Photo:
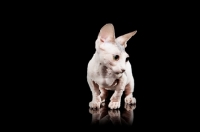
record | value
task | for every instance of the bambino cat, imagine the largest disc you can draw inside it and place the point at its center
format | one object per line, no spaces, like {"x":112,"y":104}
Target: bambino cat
{"x":110,"y":69}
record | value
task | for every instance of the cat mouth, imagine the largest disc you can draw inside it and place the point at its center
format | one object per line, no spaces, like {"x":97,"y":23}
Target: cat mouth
{"x":115,"y":83}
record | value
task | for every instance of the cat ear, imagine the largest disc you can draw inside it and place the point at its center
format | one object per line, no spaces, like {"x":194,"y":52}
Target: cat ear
{"x":107,"y":33}
{"x":124,"y":38}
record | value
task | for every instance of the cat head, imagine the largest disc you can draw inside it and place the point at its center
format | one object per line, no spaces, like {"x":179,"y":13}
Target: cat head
{"x":111,"y":50}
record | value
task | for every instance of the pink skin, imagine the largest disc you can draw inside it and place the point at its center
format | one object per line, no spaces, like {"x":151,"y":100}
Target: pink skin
{"x":106,"y":71}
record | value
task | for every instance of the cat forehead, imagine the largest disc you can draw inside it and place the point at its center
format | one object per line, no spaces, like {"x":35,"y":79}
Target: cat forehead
{"x":120,"y":47}
{"x":115,"y":48}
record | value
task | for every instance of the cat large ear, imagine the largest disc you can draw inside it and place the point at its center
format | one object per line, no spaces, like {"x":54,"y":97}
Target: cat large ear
{"x":124,"y":38}
{"x":107,"y":33}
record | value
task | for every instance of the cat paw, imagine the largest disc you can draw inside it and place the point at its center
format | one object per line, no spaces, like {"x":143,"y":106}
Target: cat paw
{"x":95,"y":104}
{"x":130,"y":100}
{"x":114,"y":105}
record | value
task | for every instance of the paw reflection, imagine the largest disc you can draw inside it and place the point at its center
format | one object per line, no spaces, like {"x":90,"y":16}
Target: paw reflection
{"x":129,"y":107}
{"x":106,"y":116}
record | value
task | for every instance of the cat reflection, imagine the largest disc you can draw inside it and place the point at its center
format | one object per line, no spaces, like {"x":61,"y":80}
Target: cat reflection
{"x":106,"y":116}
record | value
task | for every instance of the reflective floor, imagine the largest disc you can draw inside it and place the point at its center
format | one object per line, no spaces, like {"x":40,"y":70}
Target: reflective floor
{"x":105,"y":116}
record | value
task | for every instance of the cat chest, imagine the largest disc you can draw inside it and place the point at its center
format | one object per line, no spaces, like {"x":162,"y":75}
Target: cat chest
{"x":107,"y":83}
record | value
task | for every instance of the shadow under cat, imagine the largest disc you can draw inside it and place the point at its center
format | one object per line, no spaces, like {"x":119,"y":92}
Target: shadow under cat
{"x":106,"y":116}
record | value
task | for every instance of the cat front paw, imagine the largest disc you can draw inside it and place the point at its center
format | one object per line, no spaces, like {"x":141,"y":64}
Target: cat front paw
{"x":130,"y":99}
{"x":114,"y":105}
{"x":94,"y":104}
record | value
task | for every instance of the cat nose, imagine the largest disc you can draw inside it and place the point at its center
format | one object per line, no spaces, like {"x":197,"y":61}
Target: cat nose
{"x":123,"y":70}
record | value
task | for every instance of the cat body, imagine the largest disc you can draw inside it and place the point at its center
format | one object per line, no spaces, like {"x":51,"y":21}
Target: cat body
{"x":109,"y":69}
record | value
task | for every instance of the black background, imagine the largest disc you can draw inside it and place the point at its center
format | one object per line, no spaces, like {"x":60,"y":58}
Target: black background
{"x":61,"y":43}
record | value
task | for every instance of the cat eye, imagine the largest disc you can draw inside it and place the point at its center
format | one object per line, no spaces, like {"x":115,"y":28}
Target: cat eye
{"x":127,"y":59}
{"x":116,"y":57}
